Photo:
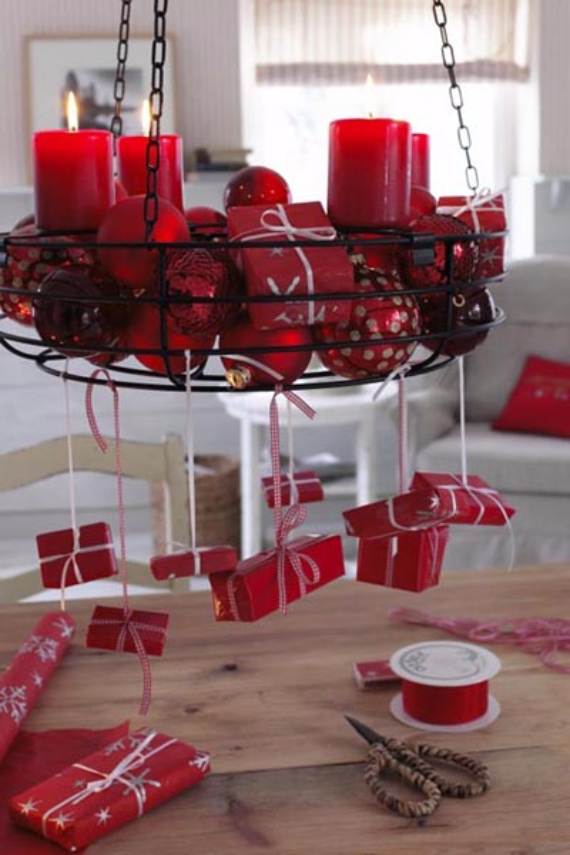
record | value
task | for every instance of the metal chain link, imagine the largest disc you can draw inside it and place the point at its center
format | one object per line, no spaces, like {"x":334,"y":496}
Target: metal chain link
{"x":122,"y":55}
{"x":455,"y":94}
{"x":156,"y":109}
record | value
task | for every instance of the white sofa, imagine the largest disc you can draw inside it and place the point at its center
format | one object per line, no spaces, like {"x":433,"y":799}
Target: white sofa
{"x":533,"y":472}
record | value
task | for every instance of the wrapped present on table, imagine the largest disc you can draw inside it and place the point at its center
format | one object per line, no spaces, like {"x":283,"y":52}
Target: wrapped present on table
{"x":473,"y":503}
{"x":108,"y":789}
{"x":368,"y":675}
{"x":413,"y":511}
{"x":194,"y":562}
{"x":117,"y":629}
{"x":410,"y":561}
{"x":65,"y":562}
{"x":257,"y":588}
{"x":295,"y":272}
{"x":305,"y":487}
{"x":483,"y":213}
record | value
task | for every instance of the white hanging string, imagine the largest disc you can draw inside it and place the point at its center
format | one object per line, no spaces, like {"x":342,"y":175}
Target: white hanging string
{"x":191,"y":468}
{"x":70,"y":480}
{"x":402,"y":435}
{"x":293,"y":488}
{"x":462,"y":428}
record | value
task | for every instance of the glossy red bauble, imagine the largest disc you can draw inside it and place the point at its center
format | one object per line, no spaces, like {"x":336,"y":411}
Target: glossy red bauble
{"x":256,"y":185}
{"x":242,"y":374}
{"x":206,"y":221}
{"x":205,"y":274}
{"x":124,"y":223}
{"x":422,"y":203}
{"x":465,"y":253}
{"x":145,"y":333}
{"x":471,"y":307}
{"x":120,"y":191}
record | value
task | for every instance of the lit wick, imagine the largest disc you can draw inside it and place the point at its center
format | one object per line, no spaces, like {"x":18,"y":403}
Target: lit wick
{"x":370,"y":96}
{"x":72,"y":111}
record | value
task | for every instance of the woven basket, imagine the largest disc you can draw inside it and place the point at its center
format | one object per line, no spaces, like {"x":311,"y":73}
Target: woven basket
{"x":218,"y":501}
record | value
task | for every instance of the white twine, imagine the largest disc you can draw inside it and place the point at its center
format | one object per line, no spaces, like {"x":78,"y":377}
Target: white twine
{"x":71,"y":493}
{"x":191,"y":467}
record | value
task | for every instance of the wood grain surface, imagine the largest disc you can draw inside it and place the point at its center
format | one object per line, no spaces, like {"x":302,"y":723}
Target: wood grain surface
{"x":267,"y":701}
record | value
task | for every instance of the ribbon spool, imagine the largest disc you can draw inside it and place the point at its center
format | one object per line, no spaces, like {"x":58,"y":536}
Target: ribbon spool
{"x":445,"y":686}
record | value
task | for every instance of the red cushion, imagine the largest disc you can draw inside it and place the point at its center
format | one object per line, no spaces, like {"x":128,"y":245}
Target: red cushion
{"x":540,"y":402}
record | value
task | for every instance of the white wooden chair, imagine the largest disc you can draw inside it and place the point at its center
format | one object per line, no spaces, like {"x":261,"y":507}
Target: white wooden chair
{"x":162,"y":465}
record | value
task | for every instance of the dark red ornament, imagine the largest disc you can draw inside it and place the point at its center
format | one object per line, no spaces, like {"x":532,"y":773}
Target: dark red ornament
{"x":206,"y":222}
{"x":145,"y":334}
{"x":422,"y":203}
{"x":242,"y":374}
{"x":374,"y":327}
{"x":124,"y":223}
{"x":256,"y":185}
{"x":202,"y":273}
{"x":465,"y":253}
{"x":471,"y":308}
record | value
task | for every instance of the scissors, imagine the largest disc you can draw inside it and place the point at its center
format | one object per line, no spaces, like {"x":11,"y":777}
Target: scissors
{"x":410,"y":764}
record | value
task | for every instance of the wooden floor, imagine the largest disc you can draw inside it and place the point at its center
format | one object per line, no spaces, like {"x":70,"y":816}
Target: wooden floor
{"x":267,"y":700}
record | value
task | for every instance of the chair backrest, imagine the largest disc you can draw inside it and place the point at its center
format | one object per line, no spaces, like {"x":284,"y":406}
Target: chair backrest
{"x":536,"y":298}
{"x":162,"y":465}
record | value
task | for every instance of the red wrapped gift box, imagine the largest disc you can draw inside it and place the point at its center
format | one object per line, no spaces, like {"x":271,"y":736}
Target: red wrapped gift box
{"x":410,"y":561}
{"x":298,"y":271}
{"x":367,"y":675}
{"x":418,"y":509}
{"x":478,"y":505}
{"x":103,"y":792}
{"x":95,"y":558}
{"x":205,"y":559}
{"x":254,"y":587}
{"x":482,"y":214}
{"x":307,"y":488}
{"x":109,"y":630}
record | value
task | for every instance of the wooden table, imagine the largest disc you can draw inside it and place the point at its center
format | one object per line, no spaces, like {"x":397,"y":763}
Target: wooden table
{"x":267,"y":700}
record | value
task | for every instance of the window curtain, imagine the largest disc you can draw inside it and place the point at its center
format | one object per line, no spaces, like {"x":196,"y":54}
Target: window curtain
{"x":312,"y":42}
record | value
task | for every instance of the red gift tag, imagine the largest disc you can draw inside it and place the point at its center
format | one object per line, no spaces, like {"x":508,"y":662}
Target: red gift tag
{"x":374,"y":673}
{"x":416,"y":510}
{"x":481,"y":214}
{"x":115,"y":629}
{"x":203,"y":560}
{"x":306,"y":486}
{"x":408,"y":561}
{"x":473,"y":504}
{"x":94,"y":557}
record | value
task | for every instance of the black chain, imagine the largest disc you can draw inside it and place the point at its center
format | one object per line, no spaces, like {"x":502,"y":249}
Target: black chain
{"x":156,"y":108}
{"x":122,"y":55}
{"x":455,"y":94}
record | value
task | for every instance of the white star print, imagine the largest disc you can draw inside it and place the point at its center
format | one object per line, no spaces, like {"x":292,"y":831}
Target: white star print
{"x":28,"y":807}
{"x":61,"y":820}
{"x":38,"y":679}
{"x":79,"y":784}
{"x":277,"y":250}
{"x":103,"y":816}
{"x":66,"y":629}
{"x":201,"y":762}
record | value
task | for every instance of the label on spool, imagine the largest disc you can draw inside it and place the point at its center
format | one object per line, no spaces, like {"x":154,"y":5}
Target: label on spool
{"x":445,"y":663}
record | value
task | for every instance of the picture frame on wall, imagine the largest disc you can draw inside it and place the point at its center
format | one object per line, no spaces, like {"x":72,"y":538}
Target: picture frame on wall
{"x":87,"y":67}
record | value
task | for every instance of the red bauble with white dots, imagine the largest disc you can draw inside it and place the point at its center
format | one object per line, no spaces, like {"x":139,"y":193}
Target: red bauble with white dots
{"x":465,"y":253}
{"x":241,"y":373}
{"x":206,"y":274}
{"x":256,"y":185}
{"x":373,"y":331}
{"x":145,"y":333}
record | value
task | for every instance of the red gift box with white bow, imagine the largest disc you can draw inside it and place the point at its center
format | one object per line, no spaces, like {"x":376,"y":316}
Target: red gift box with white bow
{"x":483,"y":213}
{"x":292,"y":272}
{"x":115,"y":629}
{"x":106,"y":790}
{"x":416,"y":510}
{"x":254,"y":590}
{"x":410,"y":561}
{"x":194,"y":562}
{"x":94,"y":557}
{"x":306,"y":488}
{"x":471,"y":503}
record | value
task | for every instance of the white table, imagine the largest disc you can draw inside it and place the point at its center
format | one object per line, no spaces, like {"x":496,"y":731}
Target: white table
{"x":347,"y":408}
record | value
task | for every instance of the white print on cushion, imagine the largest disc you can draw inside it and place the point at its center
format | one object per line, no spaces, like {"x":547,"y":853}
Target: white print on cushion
{"x":13,"y":702}
{"x":45,"y":648}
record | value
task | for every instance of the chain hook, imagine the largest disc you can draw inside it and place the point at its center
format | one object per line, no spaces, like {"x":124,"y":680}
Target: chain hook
{"x":122,"y":56}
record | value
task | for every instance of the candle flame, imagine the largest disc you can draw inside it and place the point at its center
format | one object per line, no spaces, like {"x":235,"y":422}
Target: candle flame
{"x":370,"y":111}
{"x":146,"y":117}
{"x":72,"y":111}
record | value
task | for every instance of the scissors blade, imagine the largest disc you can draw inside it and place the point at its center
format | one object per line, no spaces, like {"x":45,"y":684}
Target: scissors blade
{"x":364,"y":731}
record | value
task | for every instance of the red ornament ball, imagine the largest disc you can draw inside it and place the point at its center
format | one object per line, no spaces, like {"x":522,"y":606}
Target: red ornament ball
{"x":471,"y":308}
{"x":382,"y":256}
{"x":120,"y":191}
{"x":206,"y":274}
{"x":206,"y":222}
{"x":373,"y":330}
{"x":124,"y":223}
{"x":256,"y":185}
{"x":465,"y":253}
{"x":144,"y":333}
{"x":422,"y":203}
{"x":88,"y":324}
{"x":16,"y":307}
{"x":241,"y":374}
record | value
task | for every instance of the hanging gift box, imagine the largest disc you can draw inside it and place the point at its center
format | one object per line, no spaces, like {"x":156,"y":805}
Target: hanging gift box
{"x":127,"y":631}
{"x":484,"y":213}
{"x":295,"y":272}
{"x":256,"y":590}
{"x":410,"y":561}
{"x":302,"y":488}
{"x":108,"y":789}
{"x":419,"y":509}
{"x":470,"y":503}
{"x":64,"y":562}
{"x":194,"y":562}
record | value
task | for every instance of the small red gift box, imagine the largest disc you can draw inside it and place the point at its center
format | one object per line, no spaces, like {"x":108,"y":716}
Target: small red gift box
{"x":474,"y":504}
{"x":112,"y":629}
{"x":419,"y":509}
{"x":94,"y":559}
{"x":307,"y":488}
{"x":252,"y":592}
{"x":205,"y":559}
{"x":367,"y":675}
{"x":482,"y":214}
{"x":108,"y":789}
{"x":409,"y":561}
{"x":299,"y":271}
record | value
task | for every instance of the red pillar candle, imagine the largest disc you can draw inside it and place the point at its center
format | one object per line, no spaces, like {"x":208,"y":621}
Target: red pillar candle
{"x":421,"y":161}
{"x":132,"y":167}
{"x":370,"y":172}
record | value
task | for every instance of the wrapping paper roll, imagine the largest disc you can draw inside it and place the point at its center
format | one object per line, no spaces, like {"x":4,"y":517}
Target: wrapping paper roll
{"x":24,"y":680}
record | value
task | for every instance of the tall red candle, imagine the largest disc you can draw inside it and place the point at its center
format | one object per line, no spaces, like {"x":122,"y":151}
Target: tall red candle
{"x":421,"y":161}
{"x":73,"y":179}
{"x":132,"y":167}
{"x":370,"y":169}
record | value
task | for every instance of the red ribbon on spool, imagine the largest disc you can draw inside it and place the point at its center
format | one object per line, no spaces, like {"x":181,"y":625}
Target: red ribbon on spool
{"x":447,"y":704}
